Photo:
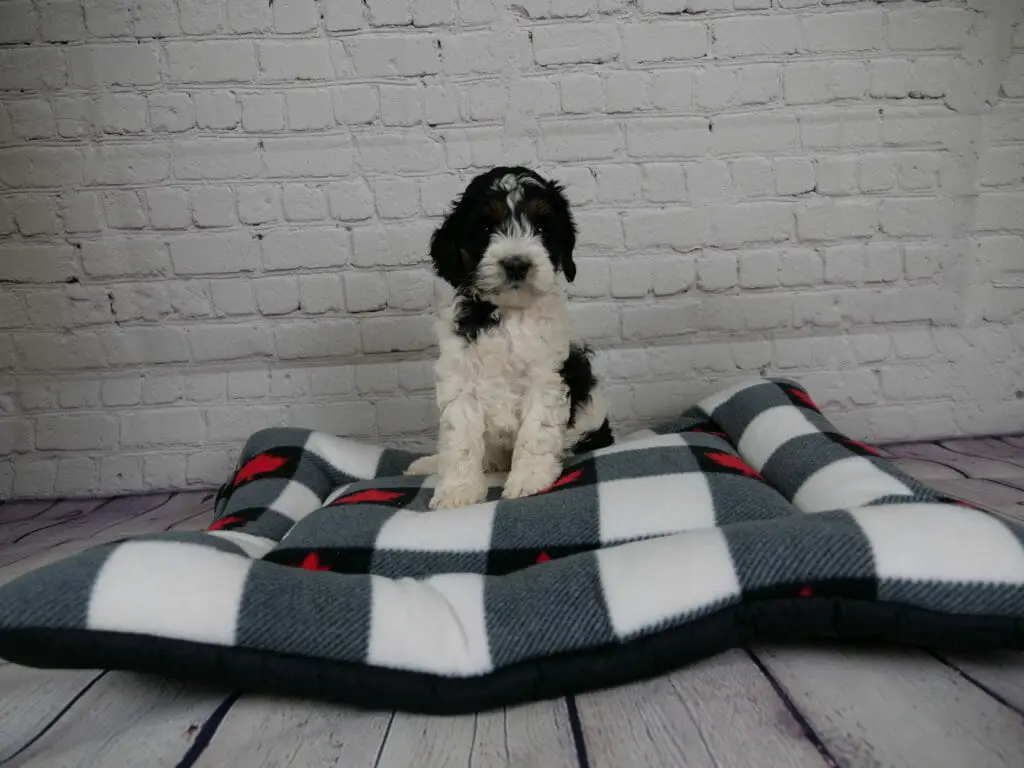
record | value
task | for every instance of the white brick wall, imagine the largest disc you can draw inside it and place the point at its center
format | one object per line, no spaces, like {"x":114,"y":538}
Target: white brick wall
{"x":214,"y":216}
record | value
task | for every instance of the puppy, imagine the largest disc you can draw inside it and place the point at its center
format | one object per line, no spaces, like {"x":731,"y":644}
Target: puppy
{"x":516,"y":392}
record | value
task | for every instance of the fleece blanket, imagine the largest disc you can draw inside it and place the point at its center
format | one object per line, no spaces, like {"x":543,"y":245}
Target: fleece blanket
{"x":748,"y":518}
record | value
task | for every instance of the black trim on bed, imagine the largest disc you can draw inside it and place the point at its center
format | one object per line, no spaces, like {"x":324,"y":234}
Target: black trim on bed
{"x":255,"y":671}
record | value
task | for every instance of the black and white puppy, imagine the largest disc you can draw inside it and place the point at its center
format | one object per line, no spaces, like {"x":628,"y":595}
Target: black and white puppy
{"x":515,"y":390}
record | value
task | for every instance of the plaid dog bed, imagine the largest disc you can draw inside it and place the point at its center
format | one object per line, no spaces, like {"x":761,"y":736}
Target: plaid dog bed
{"x":749,"y":518}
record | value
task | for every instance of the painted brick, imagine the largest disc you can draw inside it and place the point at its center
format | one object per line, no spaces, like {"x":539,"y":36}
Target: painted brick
{"x":232,"y":297}
{"x":387,"y":55}
{"x":396,"y":334}
{"x":36,"y":215}
{"x":248,"y":15}
{"x":583,"y":43}
{"x":399,"y":153}
{"x":663,"y":182}
{"x":309,"y":109}
{"x":216,"y":109}
{"x":142,"y":346}
{"x":664,"y":41}
{"x":61,"y":21}
{"x":123,"y":474}
{"x":264,"y":111}
{"x":193,"y":195}
{"x":32,"y":119}
{"x":24,"y":263}
{"x":295,"y":16}
{"x":756,"y":36}
{"x":350,"y":418}
{"x":125,"y":257}
{"x":124,"y":210}
{"x":675,"y":137}
{"x":295,"y":60}
{"x":214,"y":253}
{"x":122,"y":391}
{"x":72,"y":431}
{"x":277,"y":295}
{"x":304,"y":202}
{"x":715,"y":88}
{"x":161,"y":427}
{"x":289,"y":249}
{"x":823,"y":220}
{"x":40,"y":167}
{"x":77,"y":474}
{"x":122,"y":113}
{"x":320,"y":339}
{"x":474,"y":53}
{"x":627,"y":91}
{"x":355,"y":104}
{"x":308,"y":156}
{"x":844,"y":31}
{"x":115,"y":64}
{"x":32,"y":68}
{"x":216,"y":159}
{"x":161,"y":19}
{"x":223,"y":61}
{"x":912,"y":29}
{"x":16,"y":436}
{"x":229,"y":342}
{"x":169,"y":208}
{"x":172,"y":112}
{"x":259,"y":204}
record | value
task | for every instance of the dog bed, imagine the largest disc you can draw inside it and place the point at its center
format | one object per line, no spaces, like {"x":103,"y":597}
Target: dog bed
{"x":748,"y":519}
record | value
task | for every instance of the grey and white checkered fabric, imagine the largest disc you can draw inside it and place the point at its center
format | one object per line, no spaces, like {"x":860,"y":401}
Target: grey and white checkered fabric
{"x":323,"y":549}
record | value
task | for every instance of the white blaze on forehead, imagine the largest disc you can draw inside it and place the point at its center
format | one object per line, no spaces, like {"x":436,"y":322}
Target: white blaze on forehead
{"x":509,"y":183}
{"x":513,"y":185}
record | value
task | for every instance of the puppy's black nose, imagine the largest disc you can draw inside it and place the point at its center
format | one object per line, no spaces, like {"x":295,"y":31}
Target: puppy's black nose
{"x":516,"y":267}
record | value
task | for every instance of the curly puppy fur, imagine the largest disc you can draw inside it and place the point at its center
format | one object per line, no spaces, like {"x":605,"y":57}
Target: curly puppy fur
{"x":516,"y":392}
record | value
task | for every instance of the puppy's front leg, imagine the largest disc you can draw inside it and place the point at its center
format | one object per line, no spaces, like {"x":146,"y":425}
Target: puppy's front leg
{"x":460,"y":455}
{"x":537,"y":457}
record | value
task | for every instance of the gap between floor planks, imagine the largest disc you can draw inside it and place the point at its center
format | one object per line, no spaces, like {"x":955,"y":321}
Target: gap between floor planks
{"x":803,"y":707}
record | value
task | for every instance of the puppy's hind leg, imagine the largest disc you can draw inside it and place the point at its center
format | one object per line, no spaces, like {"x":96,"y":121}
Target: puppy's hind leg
{"x":425,"y":465}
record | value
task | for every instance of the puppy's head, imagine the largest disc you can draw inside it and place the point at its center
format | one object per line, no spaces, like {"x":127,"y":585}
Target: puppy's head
{"x":506,"y":238}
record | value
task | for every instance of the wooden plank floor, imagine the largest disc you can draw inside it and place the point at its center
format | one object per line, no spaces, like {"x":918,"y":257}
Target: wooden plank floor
{"x":751,"y":708}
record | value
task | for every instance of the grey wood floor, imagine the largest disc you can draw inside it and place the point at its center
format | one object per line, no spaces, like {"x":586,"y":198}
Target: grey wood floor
{"x":775,"y":707}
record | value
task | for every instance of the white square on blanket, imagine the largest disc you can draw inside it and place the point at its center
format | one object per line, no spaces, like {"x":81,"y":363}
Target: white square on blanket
{"x":463,"y":529}
{"x":254,"y":546}
{"x":845,"y":484}
{"x":295,"y":501}
{"x":647,"y":583}
{"x":770,"y":430}
{"x":170,"y":589}
{"x":359,"y":460}
{"x":436,"y":625}
{"x":941,"y":542}
{"x":633,"y":508}
{"x":638,"y":442}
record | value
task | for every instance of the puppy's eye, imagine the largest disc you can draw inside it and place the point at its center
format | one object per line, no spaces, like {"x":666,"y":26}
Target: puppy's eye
{"x":539,"y":230}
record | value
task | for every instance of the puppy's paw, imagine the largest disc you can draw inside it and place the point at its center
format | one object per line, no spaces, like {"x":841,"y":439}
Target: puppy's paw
{"x":531,"y":478}
{"x":425,"y":465}
{"x":459,"y":493}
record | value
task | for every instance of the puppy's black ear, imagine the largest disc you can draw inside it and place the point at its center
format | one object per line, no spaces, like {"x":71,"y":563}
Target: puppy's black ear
{"x":569,"y":267}
{"x":445,"y":248}
{"x":567,"y":239}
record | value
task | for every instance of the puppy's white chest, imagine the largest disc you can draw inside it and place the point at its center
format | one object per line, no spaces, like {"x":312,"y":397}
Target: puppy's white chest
{"x":501,"y":380}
